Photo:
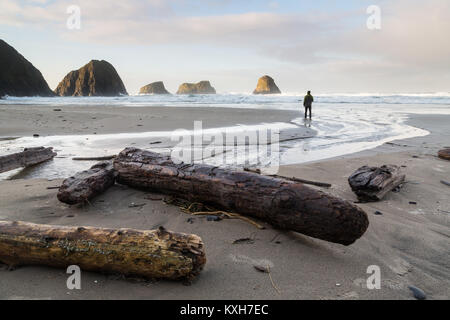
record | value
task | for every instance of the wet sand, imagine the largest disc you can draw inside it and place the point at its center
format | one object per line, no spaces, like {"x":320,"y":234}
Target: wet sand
{"x":26,"y":120}
{"x":409,"y":242}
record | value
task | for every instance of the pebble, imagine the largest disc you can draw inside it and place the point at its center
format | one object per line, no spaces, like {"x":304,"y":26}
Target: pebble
{"x":262,"y":269}
{"x":135,"y":205}
{"x":412,"y":202}
{"x":378,"y":213}
{"x":213,"y":218}
{"x":418,"y":294}
{"x":244,"y":240}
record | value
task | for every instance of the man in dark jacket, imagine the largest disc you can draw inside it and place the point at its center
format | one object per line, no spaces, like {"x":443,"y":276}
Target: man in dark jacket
{"x":307,"y":103}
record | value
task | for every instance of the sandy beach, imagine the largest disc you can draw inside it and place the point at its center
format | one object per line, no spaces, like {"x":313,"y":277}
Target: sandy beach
{"x":207,"y":151}
{"x":26,"y":120}
{"x":409,"y":242}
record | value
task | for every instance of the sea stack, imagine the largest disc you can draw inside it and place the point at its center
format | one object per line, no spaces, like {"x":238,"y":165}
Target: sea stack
{"x":97,"y":78}
{"x":266,"y":85}
{"x":154,"y":88}
{"x":18,"y":77}
{"x":203,"y":87}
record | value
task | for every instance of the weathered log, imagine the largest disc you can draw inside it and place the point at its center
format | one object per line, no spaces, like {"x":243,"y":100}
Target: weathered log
{"x":371,"y":184}
{"x":444,"y":154}
{"x":282,"y":203}
{"x":85,"y":185}
{"x":29,"y":157}
{"x":148,"y":254}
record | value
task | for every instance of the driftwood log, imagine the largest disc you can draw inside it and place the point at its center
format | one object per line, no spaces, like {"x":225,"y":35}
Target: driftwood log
{"x":282,"y":203}
{"x":444,"y":154}
{"x":148,"y":254}
{"x":29,"y":157}
{"x":85,"y":185}
{"x":371,"y":184}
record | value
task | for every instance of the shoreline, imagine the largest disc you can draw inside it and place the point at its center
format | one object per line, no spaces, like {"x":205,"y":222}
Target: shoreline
{"x":408,"y":241}
{"x":81,"y":142}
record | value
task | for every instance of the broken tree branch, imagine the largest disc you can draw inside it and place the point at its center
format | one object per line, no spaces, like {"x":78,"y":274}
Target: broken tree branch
{"x":104,"y":158}
{"x":304,"y":181}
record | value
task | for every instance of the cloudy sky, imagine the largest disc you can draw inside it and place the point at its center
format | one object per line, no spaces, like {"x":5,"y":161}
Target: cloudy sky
{"x":322,"y":45}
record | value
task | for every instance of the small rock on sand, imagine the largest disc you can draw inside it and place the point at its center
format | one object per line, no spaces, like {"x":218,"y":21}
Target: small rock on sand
{"x":418,"y":294}
{"x":213,"y":218}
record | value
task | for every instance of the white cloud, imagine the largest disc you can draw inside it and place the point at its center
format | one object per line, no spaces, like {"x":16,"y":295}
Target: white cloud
{"x":413,"y":39}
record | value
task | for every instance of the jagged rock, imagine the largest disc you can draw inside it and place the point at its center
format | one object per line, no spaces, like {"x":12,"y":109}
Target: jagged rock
{"x":18,"y":77}
{"x":97,"y":78}
{"x":154,"y":88}
{"x":203,"y":87}
{"x":266,"y":85}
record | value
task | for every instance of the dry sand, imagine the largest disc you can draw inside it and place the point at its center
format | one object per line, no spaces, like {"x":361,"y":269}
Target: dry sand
{"x":410,"y":243}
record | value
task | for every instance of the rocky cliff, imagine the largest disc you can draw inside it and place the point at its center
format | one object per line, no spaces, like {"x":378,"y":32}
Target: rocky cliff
{"x":266,"y":85}
{"x":97,"y":78}
{"x":18,"y":77}
{"x":154,"y":88}
{"x":203,"y":87}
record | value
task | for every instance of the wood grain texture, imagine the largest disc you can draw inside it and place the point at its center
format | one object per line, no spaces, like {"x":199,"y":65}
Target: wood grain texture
{"x":282,"y":203}
{"x":29,"y":157}
{"x":85,"y":185}
{"x":373,"y":183}
{"x":149,"y":254}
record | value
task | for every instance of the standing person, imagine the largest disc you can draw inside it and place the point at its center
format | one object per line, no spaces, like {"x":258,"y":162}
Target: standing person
{"x":307,"y":103}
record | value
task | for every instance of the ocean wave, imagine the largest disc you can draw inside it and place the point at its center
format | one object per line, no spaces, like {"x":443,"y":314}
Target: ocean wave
{"x":287,"y":101}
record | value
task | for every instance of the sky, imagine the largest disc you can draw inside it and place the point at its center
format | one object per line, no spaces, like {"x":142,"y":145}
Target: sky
{"x":323,"y":45}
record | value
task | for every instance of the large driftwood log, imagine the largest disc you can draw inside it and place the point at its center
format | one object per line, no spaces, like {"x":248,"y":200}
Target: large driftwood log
{"x":282,"y":203}
{"x":149,"y":254}
{"x":29,"y":157}
{"x":85,"y":185}
{"x":372,"y":183}
{"x":444,"y":154}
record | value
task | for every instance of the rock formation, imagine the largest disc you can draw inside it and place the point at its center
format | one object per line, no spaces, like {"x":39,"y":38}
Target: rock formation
{"x":18,"y":77}
{"x":203,"y":87}
{"x":97,"y":78}
{"x":266,"y":85}
{"x":154,"y":88}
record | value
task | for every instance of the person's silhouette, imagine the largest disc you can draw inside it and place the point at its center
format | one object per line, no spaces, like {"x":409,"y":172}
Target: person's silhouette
{"x":307,"y":103}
